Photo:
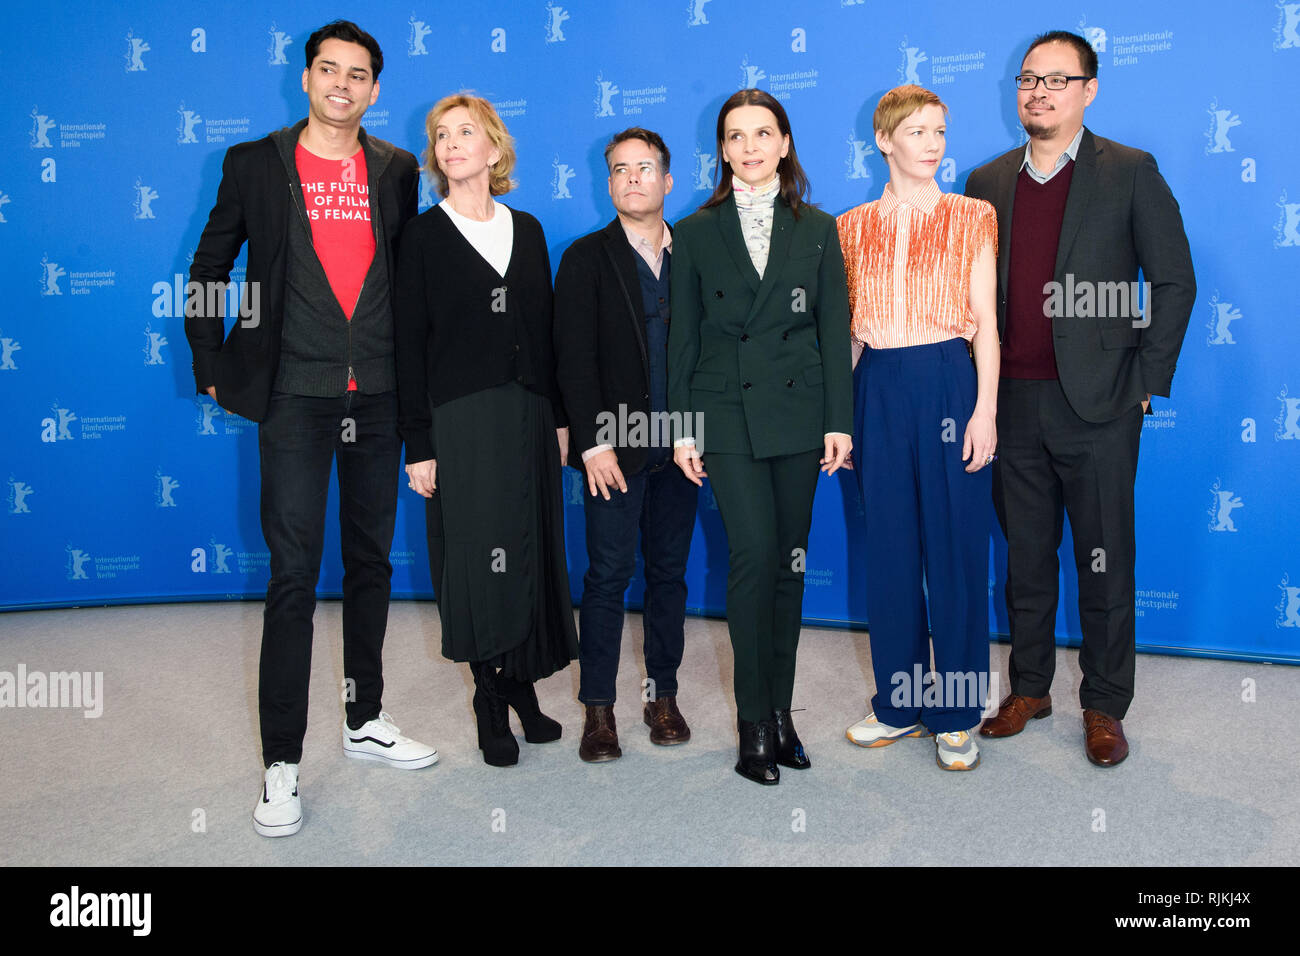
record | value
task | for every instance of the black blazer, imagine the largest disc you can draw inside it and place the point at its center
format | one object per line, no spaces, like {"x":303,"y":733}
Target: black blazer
{"x":765,"y":362}
{"x":600,"y":340}
{"x":1119,"y":217}
{"x":254,"y":202}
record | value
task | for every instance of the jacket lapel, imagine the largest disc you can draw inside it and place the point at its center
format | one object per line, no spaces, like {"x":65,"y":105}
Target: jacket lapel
{"x":1006,"y":201}
{"x":620,"y":253}
{"x":778,"y":251}
{"x":734,"y":240}
{"x":1083,"y":183}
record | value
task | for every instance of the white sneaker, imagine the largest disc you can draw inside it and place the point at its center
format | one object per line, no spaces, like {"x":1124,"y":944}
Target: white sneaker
{"x":279,"y":811}
{"x":379,"y":739}
{"x":869,"y":732}
{"x":956,"y":751}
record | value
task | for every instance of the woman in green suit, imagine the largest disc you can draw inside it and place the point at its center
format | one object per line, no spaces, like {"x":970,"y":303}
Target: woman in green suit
{"x":760,"y":371}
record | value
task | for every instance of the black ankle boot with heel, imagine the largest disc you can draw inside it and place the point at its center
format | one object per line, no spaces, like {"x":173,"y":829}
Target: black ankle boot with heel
{"x":500,"y":749}
{"x":522,"y":696}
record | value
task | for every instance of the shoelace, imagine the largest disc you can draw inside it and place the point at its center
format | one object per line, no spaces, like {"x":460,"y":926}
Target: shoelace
{"x":386,"y":721}
{"x":954,"y":739}
{"x":279,"y":782}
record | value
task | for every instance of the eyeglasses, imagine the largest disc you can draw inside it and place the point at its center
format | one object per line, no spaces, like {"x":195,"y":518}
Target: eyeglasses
{"x":1053,"y":81}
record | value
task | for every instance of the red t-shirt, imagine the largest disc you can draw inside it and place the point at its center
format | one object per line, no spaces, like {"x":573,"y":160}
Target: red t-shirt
{"x":337,"y":194}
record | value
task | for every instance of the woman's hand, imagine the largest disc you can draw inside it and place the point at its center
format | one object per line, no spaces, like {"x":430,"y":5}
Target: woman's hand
{"x":562,"y":436}
{"x":837,"y":450}
{"x":423,"y":477}
{"x":688,"y":460}
{"x":981,"y":440}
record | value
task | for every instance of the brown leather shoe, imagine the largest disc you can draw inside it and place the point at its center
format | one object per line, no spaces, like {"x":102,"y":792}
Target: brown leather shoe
{"x":666,"y":723}
{"x":1104,"y":738}
{"x":1014,"y":712}
{"x":599,"y":735}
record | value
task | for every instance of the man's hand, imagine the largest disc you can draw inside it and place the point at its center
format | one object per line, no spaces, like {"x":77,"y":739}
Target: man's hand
{"x":603,"y":474}
{"x":212,"y":390}
{"x":688,"y":460}
{"x":980,"y":441}
{"x":562,"y":436}
{"x":1145,"y":404}
{"x":423,"y":477}
{"x":836,"y":451}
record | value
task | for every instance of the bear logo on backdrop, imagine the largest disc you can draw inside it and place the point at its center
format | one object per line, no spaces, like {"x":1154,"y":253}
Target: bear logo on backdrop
{"x":1288,"y":419}
{"x":4,"y":201}
{"x":750,"y":75}
{"x":419,"y":30}
{"x":705,"y":164}
{"x":1221,"y":121}
{"x":189,"y":120}
{"x":560,"y":181}
{"x":913,"y":57}
{"x":51,"y":273}
{"x":136,"y":48}
{"x":695,"y":15}
{"x":1225,"y":503}
{"x":1286,"y":35}
{"x":18,"y":494}
{"x":76,"y":566}
{"x":859,"y":150}
{"x":555,"y":17}
{"x":605,"y":92}
{"x":41,"y":126}
{"x":1287,"y":231}
{"x":1288,"y":609}
{"x":144,"y":197}
{"x":8,"y":346}
{"x":1096,"y":36}
{"x":279,"y":40}
{"x":166,"y":485}
{"x":1222,"y":315}
{"x":154,"y":341}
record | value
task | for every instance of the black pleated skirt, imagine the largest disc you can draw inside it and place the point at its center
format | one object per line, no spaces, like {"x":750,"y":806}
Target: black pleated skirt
{"x":495,"y":530}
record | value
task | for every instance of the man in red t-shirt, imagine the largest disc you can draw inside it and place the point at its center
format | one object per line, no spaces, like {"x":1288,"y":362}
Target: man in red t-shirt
{"x":320,"y":205}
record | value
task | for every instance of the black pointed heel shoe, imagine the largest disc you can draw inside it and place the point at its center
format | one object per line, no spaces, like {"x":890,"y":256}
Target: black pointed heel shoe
{"x":789,"y":748}
{"x":758,"y":752}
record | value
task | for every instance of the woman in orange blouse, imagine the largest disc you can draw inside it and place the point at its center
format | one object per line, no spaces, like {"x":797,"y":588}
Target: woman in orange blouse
{"x":921,"y":278}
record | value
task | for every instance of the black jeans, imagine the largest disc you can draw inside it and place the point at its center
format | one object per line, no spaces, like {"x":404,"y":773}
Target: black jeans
{"x":662,"y":504}
{"x":298,"y":442}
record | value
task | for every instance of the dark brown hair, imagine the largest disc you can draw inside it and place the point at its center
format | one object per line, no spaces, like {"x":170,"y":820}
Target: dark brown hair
{"x":794,"y":181}
{"x":649,"y":137}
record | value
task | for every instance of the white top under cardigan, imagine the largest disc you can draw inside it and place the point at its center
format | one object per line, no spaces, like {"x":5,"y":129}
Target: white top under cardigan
{"x":492,"y":239}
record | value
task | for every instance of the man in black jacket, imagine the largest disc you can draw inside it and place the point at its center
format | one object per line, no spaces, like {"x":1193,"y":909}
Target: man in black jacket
{"x":1078,"y":216}
{"x":311,"y":359}
{"x":611,"y":341}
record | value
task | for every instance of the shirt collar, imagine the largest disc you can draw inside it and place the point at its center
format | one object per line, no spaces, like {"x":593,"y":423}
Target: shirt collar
{"x":640,"y":244}
{"x":1071,"y":153}
{"x":923,"y":200}
{"x":751,"y":197}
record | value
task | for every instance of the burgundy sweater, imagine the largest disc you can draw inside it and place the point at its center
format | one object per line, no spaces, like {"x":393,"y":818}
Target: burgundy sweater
{"x":1027,"y":350}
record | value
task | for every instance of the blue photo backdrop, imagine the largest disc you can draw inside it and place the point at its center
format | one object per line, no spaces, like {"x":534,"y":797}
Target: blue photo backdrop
{"x":123,"y":486}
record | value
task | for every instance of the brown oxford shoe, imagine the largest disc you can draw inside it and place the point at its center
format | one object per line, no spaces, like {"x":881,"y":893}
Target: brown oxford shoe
{"x":1014,"y":712}
{"x":599,"y":735}
{"x":1104,"y":738}
{"x":666,"y":723}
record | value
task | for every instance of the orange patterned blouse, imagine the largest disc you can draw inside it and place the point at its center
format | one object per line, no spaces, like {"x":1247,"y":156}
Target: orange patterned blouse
{"x":909,"y":265}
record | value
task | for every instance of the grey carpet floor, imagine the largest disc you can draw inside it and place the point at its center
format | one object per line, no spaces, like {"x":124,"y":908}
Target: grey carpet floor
{"x":169,"y":773}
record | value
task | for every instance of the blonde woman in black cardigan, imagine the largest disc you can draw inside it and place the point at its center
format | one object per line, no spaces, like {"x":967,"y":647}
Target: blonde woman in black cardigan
{"x":482,"y":421}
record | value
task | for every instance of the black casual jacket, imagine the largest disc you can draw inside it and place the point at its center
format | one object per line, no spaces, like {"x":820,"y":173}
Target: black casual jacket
{"x":600,"y":340}
{"x":255,"y":201}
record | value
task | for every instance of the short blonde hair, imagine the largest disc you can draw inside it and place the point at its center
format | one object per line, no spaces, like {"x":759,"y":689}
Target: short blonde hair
{"x":496,"y":132}
{"x":900,"y":103}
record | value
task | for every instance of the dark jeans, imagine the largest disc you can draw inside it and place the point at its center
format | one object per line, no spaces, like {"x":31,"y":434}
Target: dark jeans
{"x":298,"y":442}
{"x":662,"y":503}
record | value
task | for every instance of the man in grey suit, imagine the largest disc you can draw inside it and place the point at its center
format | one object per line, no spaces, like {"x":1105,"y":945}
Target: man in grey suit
{"x":1078,"y":217}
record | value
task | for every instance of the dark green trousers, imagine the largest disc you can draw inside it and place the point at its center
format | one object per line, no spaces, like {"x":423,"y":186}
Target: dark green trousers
{"x":766,"y":507}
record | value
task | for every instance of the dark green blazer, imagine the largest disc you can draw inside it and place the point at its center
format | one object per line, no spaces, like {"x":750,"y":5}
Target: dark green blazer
{"x":759,"y":367}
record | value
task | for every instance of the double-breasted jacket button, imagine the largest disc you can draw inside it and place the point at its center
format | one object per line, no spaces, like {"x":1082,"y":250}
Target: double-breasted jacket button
{"x":747,"y":385}
{"x":789,"y":383}
{"x":718,"y":293}
{"x":744,"y":337}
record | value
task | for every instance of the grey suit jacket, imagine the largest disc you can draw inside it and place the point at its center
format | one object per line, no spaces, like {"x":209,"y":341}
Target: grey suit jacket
{"x":1119,"y":217}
